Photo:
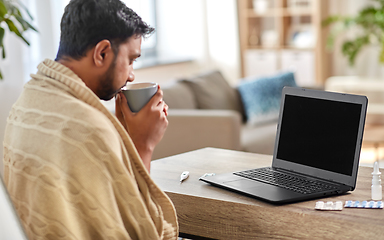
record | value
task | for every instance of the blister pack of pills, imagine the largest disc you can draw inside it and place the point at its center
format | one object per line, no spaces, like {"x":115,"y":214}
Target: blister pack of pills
{"x":364,"y":204}
{"x":329,"y":206}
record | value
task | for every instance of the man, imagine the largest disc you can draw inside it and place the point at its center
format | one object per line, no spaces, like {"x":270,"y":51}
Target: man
{"x":75,"y":171}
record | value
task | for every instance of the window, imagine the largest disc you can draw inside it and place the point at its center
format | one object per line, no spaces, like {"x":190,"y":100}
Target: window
{"x":172,"y":41}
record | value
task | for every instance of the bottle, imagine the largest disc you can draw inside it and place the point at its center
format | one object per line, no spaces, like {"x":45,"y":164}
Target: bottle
{"x":376,"y":189}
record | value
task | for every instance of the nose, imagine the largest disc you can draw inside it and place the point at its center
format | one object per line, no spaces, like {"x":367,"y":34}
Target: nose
{"x":131,"y":76}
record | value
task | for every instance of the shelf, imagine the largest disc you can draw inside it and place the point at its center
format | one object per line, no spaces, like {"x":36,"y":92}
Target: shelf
{"x":264,"y":48}
{"x":298,"y":48}
{"x":268,"y":13}
{"x":279,"y":12}
{"x":298,"y":12}
{"x":279,"y":25}
{"x":281,"y":47}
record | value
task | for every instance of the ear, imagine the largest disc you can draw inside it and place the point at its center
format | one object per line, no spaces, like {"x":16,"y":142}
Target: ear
{"x":102,"y":53}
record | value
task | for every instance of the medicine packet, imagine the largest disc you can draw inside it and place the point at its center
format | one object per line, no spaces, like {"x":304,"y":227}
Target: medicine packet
{"x":364,"y":204}
{"x":329,"y":206}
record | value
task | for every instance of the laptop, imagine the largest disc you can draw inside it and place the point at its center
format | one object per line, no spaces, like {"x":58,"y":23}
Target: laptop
{"x":317,"y":149}
{"x":10,"y":224}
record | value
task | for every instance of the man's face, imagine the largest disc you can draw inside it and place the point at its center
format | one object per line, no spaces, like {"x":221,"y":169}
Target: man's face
{"x":121,"y":69}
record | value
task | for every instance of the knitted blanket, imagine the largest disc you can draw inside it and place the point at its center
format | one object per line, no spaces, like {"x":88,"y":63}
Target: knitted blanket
{"x":73,"y":171}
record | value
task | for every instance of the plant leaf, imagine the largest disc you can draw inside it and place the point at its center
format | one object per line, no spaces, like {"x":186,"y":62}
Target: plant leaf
{"x":1,"y":76}
{"x":14,"y":29}
{"x":351,"y":48}
{"x":3,"y":9}
{"x":26,"y":25}
{"x":381,"y":57}
{"x":370,"y":25}
{"x":15,"y":12}
{"x":25,"y":9}
{"x":330,"y":20}
{"x":22,"y":22}
{"x":2,"y":32}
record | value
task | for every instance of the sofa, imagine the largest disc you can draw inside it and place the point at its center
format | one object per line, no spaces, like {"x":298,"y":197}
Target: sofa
{"x":206,"y":111}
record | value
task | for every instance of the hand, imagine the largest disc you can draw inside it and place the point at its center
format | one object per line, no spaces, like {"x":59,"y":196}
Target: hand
{"x":146,"y":127}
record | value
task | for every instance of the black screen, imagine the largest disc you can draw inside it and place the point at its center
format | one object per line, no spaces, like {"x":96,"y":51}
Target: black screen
{"x":319,"y":133}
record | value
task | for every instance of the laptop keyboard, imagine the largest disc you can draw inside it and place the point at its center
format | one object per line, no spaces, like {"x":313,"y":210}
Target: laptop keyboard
{"x":290,"y":182}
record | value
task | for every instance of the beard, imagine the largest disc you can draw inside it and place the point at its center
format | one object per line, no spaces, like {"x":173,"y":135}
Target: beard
{"x":106,"y":91}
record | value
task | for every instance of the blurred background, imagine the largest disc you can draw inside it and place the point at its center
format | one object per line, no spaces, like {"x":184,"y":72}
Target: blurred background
{"x":240,"y":38}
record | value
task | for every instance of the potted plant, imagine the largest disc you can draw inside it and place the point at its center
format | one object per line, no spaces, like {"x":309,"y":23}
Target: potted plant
{"x":11,"y":16}
{"x":368,"y":27}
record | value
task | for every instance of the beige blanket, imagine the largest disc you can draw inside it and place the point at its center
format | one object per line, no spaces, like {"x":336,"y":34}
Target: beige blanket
{"x":72,"y":170}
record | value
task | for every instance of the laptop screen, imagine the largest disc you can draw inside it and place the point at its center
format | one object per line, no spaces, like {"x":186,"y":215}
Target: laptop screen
{"x":319,"y":133}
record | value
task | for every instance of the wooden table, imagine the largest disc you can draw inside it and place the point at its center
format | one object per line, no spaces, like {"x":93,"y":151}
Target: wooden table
{"x":205,"y":211}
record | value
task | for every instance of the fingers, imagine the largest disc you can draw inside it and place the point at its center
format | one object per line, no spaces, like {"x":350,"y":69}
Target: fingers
{"x":165,"y":109}
{"x":161,"y":102}
{"x":157,"y":98}
{"x":162,"y":106}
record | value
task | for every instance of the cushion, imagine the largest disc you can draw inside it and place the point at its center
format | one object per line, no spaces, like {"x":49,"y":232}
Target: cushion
{"x":261,"y":96}
{"x":177,"y":95}
{"x":212,"y":91}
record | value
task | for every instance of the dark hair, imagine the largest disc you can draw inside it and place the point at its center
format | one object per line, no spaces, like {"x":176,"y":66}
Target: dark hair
{"x":87,"y":22}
